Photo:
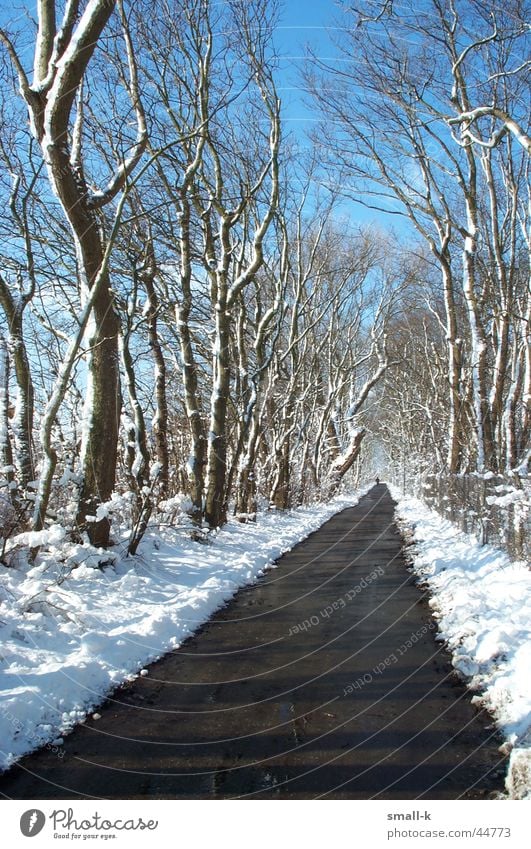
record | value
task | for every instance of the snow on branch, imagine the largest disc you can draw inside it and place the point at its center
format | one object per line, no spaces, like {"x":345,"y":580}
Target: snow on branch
{"x":510,"y":124}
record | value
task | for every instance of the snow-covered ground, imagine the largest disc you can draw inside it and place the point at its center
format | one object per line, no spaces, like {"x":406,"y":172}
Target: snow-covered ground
{"x":71,"y":631}
{"x":482,"y":602}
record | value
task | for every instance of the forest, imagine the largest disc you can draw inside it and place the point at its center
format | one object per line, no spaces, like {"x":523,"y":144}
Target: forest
{"x":206,"y":313}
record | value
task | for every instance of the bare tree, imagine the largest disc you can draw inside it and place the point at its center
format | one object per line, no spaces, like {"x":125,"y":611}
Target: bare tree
{"x":399,"y":142}
{"x":55,"y":103}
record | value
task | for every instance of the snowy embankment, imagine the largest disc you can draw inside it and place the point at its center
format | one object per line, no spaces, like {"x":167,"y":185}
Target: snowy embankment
{"x":71,"y":632}
{"x":482,"y":603}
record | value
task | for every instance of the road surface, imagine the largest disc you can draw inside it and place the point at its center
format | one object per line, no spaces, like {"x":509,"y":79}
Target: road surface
{"x":323,"y":680}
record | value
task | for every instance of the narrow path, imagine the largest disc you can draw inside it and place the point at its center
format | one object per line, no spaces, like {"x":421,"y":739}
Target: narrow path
{"x":324,"y":680}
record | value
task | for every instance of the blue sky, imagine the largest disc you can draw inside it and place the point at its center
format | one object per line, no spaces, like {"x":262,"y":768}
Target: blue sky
{"x":314,"y":23}
{"x":302,"y":22}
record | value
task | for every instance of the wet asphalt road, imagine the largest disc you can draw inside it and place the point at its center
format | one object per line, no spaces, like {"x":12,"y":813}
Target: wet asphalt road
{"x":323,"y":680}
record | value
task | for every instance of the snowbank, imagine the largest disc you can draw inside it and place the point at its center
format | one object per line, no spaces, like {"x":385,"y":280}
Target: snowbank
{"x":481,"y":601}
{"x":71,"y":632}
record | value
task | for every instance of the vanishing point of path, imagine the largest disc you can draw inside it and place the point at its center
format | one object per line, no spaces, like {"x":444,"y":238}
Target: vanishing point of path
{"x":323,"y":680}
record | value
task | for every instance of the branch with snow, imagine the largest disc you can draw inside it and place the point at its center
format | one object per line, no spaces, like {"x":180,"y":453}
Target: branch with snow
{"x":509,"y":125}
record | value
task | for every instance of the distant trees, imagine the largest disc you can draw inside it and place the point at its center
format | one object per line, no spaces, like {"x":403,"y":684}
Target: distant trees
{"x":339,"y":296}
{"x":426,"y":117}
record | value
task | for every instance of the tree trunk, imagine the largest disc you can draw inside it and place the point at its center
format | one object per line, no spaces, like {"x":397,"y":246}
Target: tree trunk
{"x":57,"y":79}
{"x":102,"y":406}
{"x":486,"y":458}
{"x":160,"y":422}
{"x":345,"y":462}
{"x":197,"y":459}
{"x":138,"y":456}
{"x":6,"y":454}
{"x":280,"y":494}
{"x":24,"y":408}
{"x":215,"y":500}
{"x":453,"y":460}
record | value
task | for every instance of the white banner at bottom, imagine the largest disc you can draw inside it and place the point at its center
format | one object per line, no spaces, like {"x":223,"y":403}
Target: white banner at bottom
{"x":204,"y":823}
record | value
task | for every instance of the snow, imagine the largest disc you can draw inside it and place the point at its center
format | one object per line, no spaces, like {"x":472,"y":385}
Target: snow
{"x":177,"y":503}
{"x":51,"y":535}
{"x":81,"y":621}
{"x":512,"y":497}
{"x":155,"y":469}
{"x":119,"y":503}
{"x":481,"y":601}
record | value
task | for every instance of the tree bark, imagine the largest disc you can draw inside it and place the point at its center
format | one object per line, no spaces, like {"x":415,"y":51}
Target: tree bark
{"x":24,"y":408}
{"x":160,"y":422}
{"x":345,"y":462}
{"x":6,"y":453}
{"x":60,"y":62}
{"x":215,"y":497}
